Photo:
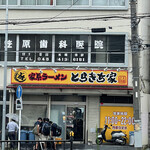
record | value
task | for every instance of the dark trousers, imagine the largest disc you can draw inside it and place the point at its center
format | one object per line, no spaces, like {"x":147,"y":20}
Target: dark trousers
{"x":12,"y":136}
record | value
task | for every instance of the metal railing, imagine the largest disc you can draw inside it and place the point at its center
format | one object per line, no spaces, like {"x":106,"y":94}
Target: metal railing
{"x":30,"y":144}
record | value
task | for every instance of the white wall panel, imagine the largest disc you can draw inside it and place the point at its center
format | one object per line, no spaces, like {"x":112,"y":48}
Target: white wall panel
{"x":93,"y":117}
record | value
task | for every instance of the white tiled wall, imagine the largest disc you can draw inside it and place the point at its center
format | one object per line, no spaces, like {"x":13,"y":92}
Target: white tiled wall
{"x":92,"y":117}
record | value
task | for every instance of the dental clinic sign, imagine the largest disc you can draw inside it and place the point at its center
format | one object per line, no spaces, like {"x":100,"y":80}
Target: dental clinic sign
{"x":70,"y":77}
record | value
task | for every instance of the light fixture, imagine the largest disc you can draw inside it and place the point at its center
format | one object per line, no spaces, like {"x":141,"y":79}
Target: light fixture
{"x":54,"y":70}
{"x":1,"y":65}
{"x":77,"y":67}
{"x":105,"y":69}
{"x":26,"y":67}
{"x":41,"y":71}
{"x":14,"y":69}
{"x":118,"y":69}
{"x":130,"y":70}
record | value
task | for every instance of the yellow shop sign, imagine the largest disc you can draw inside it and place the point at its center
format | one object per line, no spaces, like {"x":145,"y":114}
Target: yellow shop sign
{"x":118,"y":118}
{"x":69,"y":77}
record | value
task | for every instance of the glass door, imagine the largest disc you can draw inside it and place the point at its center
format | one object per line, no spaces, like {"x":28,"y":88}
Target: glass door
{"x":57,"y":115}
{"x":75,"y":121}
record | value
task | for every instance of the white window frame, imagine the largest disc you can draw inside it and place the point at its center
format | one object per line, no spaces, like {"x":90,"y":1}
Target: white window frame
{"x":70,"y":7}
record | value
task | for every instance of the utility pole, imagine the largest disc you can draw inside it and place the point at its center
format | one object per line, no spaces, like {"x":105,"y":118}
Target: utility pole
{"x":5,"y":79}
{"x":135,"y":47}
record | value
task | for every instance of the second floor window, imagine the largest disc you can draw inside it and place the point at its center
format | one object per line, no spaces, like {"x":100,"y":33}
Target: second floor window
{"x":85,"y":49}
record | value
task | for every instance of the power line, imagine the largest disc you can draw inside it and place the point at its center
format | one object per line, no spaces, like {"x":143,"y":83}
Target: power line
{"x":72,"y":19}
{"x":108,"y":15}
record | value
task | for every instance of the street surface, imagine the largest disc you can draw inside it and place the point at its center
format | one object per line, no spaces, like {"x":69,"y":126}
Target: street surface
{"x":98,"y":147}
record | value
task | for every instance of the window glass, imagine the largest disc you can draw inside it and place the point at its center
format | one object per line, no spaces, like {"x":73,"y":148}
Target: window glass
{"x":71,"y":48}
{"x":26,"y":48}
{"x":100,"y":2}
{"x":99,"y":43}
{"x":63,"y":2}
{"x":80,"y":2}
{"x":10,"y":2}
{"x":67,"y":48}
{"x":99,"y":58}
{"x":1,"y":95}
{"x":1,"y":115}
{"x":11,"y":47}
{"x":66,"y":2}
{"x":62,"y":48}
{"x":43,"y":48}
{"x":2,"y":39}
{"x":27,"y":117}
{"x":108,"y":2}
{"x":28,"y":2}
{"x":117,"y":2}
{"x":44,"y":2}
{"x":116,"y":43}
{"x":57,"y":116}
{"x":116,"y":58}
{"x":108,"y":49}
{"x":99,"y":49}
{"x":35,"y":48}
{"x":79,"y":48}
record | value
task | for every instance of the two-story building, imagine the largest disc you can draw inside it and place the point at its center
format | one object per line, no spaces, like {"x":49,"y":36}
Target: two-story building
{"x":78,"y":77}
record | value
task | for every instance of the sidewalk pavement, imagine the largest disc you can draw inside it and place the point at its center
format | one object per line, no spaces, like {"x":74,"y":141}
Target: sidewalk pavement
{"x":96,"y":147}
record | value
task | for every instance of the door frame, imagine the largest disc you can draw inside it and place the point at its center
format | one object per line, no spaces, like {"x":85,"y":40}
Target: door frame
{"x":84,"y":117}
{"x":73,"y":104}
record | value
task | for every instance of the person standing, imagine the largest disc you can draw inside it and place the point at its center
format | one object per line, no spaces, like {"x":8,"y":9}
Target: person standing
{"x":38,"y":123}
{"x":12,"y":127}
{"x":53,"y":132}
{"x":45,"y":131}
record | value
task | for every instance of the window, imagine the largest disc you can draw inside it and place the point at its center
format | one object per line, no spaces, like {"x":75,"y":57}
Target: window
{"x":80,"y":2}
{"x":72,"y":2}
{"x":117,"y":2}
{"x":28,"y":119}
{"x":2,"y":39}
{"x":10,"y":2}
{"x":67,"y":49}
{"x":108,"y":2}
{"x":1,"y":95}
{"x":44,"y":2}
{"x":11,"y":47}
{"x":63,"y":2}
{"x":35,"y":48}
{"x":36,"y":2}
{"x":100,"y":2}
{"x":71,"y":48}
{"x":94,"y":2}
{"x":27,"y":48}
{"x":108,"y":49}
{"x":28,"y":2}
{"x":112,"y":4}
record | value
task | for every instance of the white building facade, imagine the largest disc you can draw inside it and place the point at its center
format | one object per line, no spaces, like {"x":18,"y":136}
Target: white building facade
{"x":78,"y":78}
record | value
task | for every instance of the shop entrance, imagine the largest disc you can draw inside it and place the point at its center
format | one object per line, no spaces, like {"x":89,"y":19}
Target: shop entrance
{"x":70,"y":118}
{"x":75,"y":122}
